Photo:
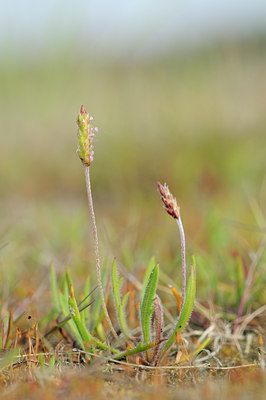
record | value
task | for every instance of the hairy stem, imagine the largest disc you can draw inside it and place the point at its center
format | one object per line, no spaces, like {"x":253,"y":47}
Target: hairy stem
{"x":97,"y":256}
{"x":249,"y":282}
{"x":183,"y":255}
{"x":158,"y":327}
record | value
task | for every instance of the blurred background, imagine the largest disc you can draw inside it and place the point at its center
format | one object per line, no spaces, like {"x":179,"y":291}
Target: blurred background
{"x":178,"y":92}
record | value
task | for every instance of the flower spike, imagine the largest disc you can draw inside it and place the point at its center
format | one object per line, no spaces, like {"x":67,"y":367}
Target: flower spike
{"x":173,"y":209}
{"x":85,"y":137}
{"x":85,"y":152}
{"x":169,"y":201}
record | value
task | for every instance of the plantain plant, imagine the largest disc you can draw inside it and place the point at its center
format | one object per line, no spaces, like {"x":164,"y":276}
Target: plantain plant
{"x":84,"y":325}
{"x":151,"y":310}
{"x":85,"y":151}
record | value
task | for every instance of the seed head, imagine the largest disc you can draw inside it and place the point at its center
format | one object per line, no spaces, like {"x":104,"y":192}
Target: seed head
{"x":169,"y":201}
{"x":85,"y":136}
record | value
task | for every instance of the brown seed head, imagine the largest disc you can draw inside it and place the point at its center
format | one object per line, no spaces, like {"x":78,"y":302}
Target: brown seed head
{"x":169,"y":201}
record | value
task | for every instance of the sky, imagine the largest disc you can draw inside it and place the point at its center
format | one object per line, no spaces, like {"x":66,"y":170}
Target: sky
{"x":124,"y":28}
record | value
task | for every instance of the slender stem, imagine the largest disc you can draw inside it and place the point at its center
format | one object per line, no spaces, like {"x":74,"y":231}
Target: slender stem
{"x":97,"y":256}
{"x":249,"y":282}
{"x":183,"y":255}
{"x":158,"y":325}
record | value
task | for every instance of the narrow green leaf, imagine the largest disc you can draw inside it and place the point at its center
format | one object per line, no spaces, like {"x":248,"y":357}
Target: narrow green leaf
{"x":147,"y":308}
{"x":84,"y":333}
{"x":75,"y":315}
{"x":64,"y":321}
{"x":120,"y":307}
{"x":68,"y":278}
{"x":97,"y":313}
{"x":65,"y":287}
{"x":41,"y":360}
{"x":52,"y":362}
{"x":64,"y":305}
{"x":124,"y":301}
{"x":189,"y":302}
{"x":139,"y":349}
{"x":122,"y":317}
{"x":101,"y":332}
{"x":197,"y":351}
{"x":6,"y":328}
{"x":3,"y":329}
{"x":54,"y":289}
{"x":201,"y":347}
{"x":151,"y":265}
{"x":86,"y":312}
{"x":187,"y":309}
{"x":116,"y":285}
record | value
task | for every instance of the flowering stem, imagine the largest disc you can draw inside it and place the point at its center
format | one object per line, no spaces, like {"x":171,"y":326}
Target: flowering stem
{"x":183,"y":255}
{"x":173,"y":209}
{"x":97,"y":256}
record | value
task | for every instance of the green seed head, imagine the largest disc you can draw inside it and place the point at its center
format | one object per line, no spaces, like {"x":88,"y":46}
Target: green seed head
{"x":85,"y":137}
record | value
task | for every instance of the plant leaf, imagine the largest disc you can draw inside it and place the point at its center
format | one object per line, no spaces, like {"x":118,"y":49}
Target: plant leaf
{"x":116,"y":285}
{"x":68,"y":279}
{"x":147,"y":303}
{"x":65,"y":310}
{"x":187,"y":309}
{"x":139,"y":349}
{"x":84,"y":333}
{"x":151,"y":265}
{"x":120,"y":307}
{"x":97,"y":313}
{"x":86,"y":312}
{"x":122,"y":317}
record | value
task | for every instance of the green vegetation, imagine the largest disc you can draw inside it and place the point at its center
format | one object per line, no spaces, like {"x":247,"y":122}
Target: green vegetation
{"x":197,"y":122}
